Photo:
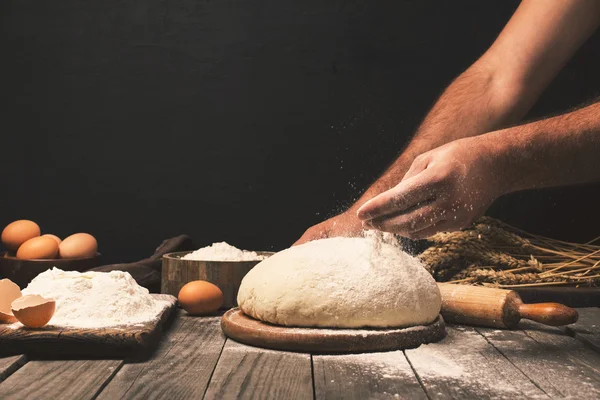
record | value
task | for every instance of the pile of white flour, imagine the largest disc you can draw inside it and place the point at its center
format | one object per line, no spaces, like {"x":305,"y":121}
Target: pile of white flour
{"x":222,"y":252}
{"x":95,"y":299}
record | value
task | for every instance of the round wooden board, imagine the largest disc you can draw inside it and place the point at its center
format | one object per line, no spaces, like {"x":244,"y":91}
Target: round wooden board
{"x":240,"y":327}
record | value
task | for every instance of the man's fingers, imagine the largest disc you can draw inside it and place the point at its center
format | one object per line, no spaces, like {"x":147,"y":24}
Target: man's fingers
{"x":405,"y":224}
{"x":405,"y":195}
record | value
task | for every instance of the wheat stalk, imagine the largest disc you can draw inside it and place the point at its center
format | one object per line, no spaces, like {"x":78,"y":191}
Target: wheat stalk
{"x":491,"y":252}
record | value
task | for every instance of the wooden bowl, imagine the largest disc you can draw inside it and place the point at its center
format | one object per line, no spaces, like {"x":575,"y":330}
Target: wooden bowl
{"x":227,"y":275}
{"x":22,"y":272}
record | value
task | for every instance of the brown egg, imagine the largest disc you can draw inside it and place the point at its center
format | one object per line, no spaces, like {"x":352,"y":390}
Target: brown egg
{"x":9,"y":292}
{"x":38,"y":248}
{"x":58,"y":240}
{"x":18,"y":232}
{"x":79,"y":245}
{"x":33,"y":310}
{"x":200,"y":297}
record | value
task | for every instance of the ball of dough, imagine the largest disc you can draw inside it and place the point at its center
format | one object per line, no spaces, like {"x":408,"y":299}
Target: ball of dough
{"x":341,"y":283}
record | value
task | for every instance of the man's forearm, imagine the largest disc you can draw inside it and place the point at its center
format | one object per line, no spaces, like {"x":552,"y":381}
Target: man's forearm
{"x":561,"y":150}
{"x":475,"y":103}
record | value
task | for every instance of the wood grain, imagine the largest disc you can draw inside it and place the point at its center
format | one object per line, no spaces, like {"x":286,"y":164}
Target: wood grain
{"x":179,"y":369}
{"x":588,"y":327}
{"x":115,"y":341}
{"x":472,"y":305}
{"x":252,"y":373}
{"x":553,"y":314}
{"x":8,"y":365}
{"x":560,"y":365}
{"x":70,"y":379}
{"x":385,"y":375}
{"x":242,"y":328}
{"x":465,"y":365}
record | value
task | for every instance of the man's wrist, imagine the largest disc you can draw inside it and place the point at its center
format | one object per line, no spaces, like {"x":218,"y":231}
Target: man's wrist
{"x":502,"y":157}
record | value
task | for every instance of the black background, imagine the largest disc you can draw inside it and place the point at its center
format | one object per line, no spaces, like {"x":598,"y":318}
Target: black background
{"x":245,"y":121}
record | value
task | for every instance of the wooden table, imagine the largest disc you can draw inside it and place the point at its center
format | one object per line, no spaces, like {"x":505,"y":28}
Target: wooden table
{"x":194,"y":360}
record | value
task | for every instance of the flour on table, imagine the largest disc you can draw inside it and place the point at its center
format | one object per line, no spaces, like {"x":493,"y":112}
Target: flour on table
{"x":95,"y":299}
{"x":222,"y":252}
{"x":381,"y":365}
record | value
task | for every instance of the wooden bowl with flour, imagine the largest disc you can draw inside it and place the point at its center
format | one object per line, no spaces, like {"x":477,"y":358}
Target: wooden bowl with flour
{"x":227,"y":275}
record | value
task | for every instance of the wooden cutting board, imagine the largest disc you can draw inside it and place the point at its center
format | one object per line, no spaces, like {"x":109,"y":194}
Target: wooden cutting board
{"x":238,"y":326}
{"x":113,"y":341}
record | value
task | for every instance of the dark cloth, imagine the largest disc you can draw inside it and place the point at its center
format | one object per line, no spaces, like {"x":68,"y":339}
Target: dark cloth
{"x":147,"y":272}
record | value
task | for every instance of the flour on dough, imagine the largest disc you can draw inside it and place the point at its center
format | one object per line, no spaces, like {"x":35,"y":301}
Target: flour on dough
{"x":341,"y":282}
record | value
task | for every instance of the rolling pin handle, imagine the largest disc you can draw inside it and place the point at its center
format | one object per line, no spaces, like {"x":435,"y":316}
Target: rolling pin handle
{"x":553,"y":314}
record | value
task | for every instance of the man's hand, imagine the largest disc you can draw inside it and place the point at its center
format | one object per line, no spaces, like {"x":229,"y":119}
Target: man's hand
{"x":495,"y":92}
{"x":345,"y":224}
{"x":444,"y":190}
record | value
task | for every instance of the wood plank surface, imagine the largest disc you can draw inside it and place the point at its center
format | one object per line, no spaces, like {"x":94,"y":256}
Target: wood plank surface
{"x":253,"y":373}
{"x":386,"y":375}
{"x":560,"y":365}
{"x":10,"y":364}
{"x":179,"y":369}
{"x":67,"y":379}
{"x":587,"y":328}
{"x":465,"y":365}
{"x":61,"y":341}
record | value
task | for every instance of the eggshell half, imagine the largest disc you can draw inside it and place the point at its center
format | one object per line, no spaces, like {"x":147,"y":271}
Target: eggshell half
{"x":200,"y":297}
{"x":79,"y":245}
{"x":33,"y":310}
{"x":42,"y":247}
{"x":9,"y":292}
{"x":18,"y":232}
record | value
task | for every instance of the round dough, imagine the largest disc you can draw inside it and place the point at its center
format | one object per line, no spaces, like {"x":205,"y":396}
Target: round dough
{"x":341,"y":283}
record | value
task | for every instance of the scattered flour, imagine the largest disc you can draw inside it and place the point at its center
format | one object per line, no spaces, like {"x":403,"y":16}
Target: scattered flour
{"x":384,"y":365}
{"x":95,"y":299}
{"x":223,"y":252}
{"x":431,"y":360}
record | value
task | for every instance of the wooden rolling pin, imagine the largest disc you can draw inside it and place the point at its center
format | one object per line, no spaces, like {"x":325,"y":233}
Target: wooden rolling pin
{"x":499,"y":308}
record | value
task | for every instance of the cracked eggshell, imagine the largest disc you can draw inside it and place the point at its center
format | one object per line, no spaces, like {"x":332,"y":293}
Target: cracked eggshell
{"x":33,"y":310}
{"x":9,"y":292}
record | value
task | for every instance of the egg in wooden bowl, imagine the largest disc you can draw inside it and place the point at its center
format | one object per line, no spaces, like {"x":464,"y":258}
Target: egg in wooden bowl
{"x":40,"y":247}
{"x":29,"y":252}
{"x":18,"y":232}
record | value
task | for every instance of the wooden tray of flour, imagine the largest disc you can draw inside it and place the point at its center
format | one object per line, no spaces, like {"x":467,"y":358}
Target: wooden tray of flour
{"x":114,"y":341}
{"x":240,"y":327}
